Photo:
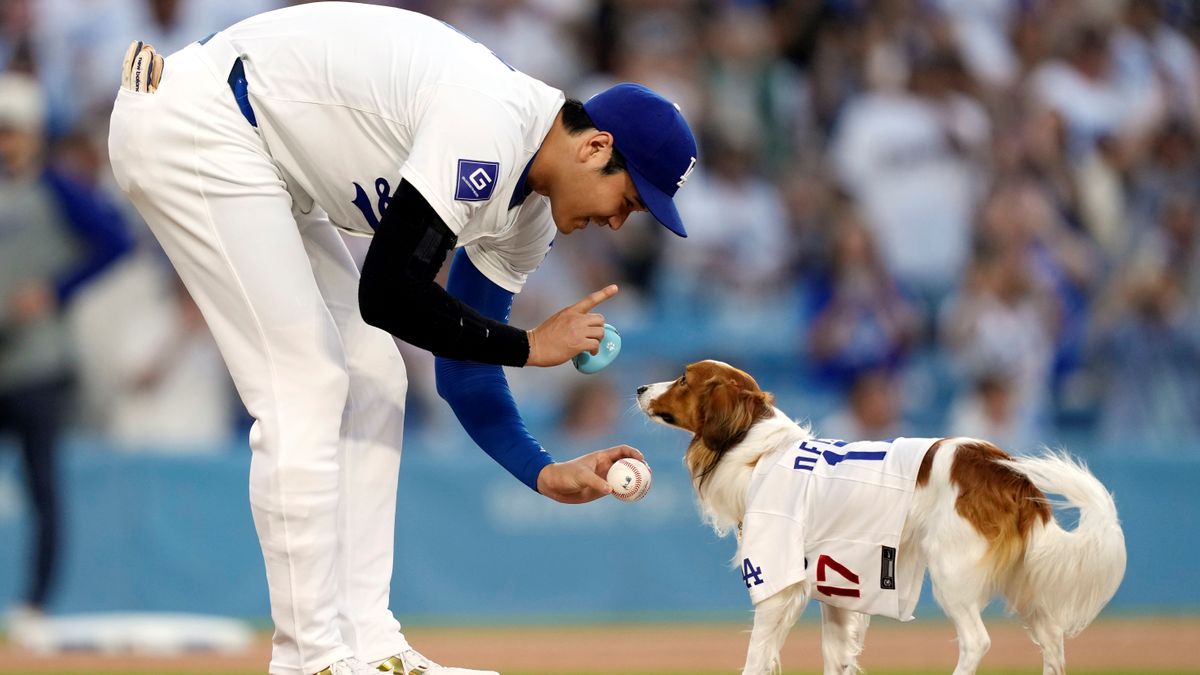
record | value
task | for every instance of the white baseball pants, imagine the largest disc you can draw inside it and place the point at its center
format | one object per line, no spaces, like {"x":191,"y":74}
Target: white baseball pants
{"x":279,"y":291}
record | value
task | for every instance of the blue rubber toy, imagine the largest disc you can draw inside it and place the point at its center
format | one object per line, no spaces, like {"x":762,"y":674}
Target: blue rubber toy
{"x":610,"y":346}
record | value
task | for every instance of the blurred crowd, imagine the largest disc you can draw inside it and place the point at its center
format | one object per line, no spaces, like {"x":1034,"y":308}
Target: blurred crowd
{"x":995,"y":199}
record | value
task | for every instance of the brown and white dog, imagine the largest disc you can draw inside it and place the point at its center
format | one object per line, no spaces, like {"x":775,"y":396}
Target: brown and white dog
{"x":978,"y":520}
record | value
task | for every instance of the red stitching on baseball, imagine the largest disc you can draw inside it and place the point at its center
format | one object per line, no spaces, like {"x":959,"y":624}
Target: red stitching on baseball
{"x":637,"y":474}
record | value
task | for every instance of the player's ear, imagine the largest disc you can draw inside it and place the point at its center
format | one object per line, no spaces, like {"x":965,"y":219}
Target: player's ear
{"x":595,"y":145}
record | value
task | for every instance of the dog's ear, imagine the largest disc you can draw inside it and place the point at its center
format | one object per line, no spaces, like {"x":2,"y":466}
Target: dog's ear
{"x":727,"y":412}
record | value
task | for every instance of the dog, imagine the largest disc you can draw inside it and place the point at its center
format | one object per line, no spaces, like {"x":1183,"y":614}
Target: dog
{"x":974,"y":516}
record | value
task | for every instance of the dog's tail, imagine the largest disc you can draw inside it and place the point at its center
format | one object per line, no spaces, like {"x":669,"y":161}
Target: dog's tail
{"x":1070,"y":575}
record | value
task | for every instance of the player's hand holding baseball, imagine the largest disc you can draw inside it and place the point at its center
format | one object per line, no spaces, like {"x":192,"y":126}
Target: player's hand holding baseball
{"x":583,"y":479}
{"x":569,"y":331}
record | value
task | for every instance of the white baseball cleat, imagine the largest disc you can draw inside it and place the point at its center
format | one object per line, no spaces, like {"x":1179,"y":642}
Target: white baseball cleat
{"x":351,"y":666}
{"x":411,"y":662}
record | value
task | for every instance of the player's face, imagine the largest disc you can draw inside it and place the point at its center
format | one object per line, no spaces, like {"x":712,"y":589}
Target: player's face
{"x":588,"y":195}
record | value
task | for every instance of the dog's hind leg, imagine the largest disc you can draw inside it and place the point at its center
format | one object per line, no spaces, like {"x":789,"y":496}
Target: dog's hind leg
{"x":973,"y":639}
{"x":963,"y":592}
{"x":773,"y":619}
{"x":1049,"y":638}
{"x":842,"y":635}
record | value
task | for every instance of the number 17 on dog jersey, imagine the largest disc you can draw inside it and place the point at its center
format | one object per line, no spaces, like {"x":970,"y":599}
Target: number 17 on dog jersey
{"x":831,"y":513}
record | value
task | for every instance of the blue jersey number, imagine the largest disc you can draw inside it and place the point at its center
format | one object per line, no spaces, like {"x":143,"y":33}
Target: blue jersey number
{"x":811,"y":451}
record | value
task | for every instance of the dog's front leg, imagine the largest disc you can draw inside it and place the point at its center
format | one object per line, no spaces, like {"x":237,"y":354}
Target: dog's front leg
{"x":842,"y":634}
{"x":773,"y":618}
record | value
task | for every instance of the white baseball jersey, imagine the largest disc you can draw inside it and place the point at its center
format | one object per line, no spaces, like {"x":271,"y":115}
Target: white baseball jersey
{"x":352,"y":98}
{"x":349,"y":99}
{"x":832,"y":512}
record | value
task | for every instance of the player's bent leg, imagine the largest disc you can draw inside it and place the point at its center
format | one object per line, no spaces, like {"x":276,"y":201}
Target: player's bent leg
{"x":372,"y":434}
{"x":200,"y":177}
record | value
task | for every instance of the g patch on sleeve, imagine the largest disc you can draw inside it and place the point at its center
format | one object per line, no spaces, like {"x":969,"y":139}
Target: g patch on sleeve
{"x":476,"y":180}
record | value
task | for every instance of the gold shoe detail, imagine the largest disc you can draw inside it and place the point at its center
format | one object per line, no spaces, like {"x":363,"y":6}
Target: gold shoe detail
{"x":395,"y":665}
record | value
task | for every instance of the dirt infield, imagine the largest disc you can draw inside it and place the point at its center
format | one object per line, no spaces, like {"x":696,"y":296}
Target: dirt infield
{"x":1130,"y":645}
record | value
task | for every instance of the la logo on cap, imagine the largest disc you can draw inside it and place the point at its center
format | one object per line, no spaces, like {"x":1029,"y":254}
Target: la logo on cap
{"x":686,"y":174}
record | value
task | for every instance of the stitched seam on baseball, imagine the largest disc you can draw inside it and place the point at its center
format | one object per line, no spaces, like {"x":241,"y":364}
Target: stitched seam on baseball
{"x":637,"y":476}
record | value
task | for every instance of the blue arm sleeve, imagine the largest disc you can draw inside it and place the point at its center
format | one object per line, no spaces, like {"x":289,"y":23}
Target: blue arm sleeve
{"x":478,"y":393}
{"x":96,"y":222}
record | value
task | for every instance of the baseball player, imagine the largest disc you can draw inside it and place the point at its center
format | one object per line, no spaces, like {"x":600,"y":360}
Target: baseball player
{"x":244,"y":151}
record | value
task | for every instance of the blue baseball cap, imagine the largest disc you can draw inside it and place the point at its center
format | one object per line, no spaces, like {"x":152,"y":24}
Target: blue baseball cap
{"x":658,"y":146}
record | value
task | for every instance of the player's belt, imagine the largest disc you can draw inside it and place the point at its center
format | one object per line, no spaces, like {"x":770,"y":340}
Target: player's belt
{"x":237,"y":83}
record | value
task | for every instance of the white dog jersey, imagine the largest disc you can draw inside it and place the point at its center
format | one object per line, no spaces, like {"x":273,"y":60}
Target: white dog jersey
{"x":351,"y":99}
{"x":832,"y":512}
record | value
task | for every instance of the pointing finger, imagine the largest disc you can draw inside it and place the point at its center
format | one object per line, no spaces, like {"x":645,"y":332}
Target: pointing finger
{"x":596,"y":297}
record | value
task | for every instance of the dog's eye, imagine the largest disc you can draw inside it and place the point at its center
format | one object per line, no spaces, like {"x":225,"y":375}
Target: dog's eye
{"x":667,"y":417}
{"x":683,"y":380}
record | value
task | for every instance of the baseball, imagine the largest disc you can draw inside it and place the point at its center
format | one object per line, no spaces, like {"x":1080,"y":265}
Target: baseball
{"x":630,"y":479}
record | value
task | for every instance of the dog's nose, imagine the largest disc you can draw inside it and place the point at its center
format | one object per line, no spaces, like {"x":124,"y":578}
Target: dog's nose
{"x":642,"y":389}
